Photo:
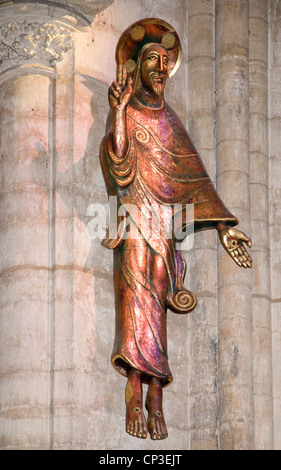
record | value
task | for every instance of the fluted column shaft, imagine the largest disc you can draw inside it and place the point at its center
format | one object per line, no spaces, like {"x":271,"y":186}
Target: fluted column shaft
{"x":42,"y":313}
{"x":258,"y":101}
{"x":203,"y":323}
{"x":24,"y":272}
{"x":235,"y":361}
{"x":275,"y":204}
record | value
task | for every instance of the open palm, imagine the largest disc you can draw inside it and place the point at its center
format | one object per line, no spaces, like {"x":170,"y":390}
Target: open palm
{"x":233,"y":242}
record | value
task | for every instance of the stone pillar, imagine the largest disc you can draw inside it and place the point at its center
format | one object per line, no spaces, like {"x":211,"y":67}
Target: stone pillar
{"x":24,"y":265}
{"x":37,"y":306}
{"x":275,"y":204}
{"x":203,"y":321}
{"x":235,"y":361}
{"x":262,"y":347}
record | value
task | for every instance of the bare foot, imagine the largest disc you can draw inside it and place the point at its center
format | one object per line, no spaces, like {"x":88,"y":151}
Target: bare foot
{"x":155,"y":422}
{"x":135,"y":420}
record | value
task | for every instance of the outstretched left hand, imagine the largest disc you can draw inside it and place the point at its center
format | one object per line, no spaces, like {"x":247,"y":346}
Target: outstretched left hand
{"x":232,"y":240}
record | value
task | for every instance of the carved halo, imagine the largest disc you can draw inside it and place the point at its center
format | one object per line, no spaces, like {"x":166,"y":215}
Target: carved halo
{"x":148,"y":30}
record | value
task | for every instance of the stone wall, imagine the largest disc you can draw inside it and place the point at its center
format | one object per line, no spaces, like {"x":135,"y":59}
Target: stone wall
{"x":58,"y":389}
{"x":274,"y":109}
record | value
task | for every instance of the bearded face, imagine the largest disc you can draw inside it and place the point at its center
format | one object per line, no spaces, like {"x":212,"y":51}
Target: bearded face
{"x":158,"y":82}
{"x":154,"y":69}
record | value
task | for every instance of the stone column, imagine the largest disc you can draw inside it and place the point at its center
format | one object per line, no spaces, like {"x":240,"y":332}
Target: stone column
{"x":25,"y":271}
{"x":262,"y":347}
{"x":203,"y":321}
{"x":30,"y":50}
{"x":235,"y":361}
{"x":275,"y":204}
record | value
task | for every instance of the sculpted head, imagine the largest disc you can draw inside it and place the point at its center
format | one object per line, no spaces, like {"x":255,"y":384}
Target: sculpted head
{"x":154,"y":69}
{"x":150,"y":50}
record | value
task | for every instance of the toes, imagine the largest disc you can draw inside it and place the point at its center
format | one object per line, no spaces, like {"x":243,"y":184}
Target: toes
{"x":136,"y":429}
{"x":164,"y":431}
{"x":129,"y":428}
{"x":158,"y":428}
{"x":158,"y":436}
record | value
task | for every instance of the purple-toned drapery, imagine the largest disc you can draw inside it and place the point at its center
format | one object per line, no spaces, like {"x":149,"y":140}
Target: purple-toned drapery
{"x":160,"y":172}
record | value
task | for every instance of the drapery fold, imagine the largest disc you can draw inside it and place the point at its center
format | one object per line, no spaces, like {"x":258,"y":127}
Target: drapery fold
{"x":160,"y":174}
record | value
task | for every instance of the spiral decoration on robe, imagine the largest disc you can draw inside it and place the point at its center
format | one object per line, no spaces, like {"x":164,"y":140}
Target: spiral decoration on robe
{"x":142,"y":136}
{"x":183,"y":301}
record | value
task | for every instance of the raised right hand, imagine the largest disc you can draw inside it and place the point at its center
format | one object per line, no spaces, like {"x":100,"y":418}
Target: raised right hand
{"x":121,"y":90}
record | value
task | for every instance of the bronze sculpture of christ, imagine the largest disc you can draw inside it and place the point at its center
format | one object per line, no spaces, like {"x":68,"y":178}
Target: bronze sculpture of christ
{"x":148,"y":160}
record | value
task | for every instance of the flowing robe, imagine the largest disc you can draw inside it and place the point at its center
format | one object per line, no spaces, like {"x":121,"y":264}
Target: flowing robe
{"x":160,"y":172}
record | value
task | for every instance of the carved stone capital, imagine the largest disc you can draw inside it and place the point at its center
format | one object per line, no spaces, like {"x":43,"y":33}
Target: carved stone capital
{"x":39,"y":32}
{"x":33,"y":42}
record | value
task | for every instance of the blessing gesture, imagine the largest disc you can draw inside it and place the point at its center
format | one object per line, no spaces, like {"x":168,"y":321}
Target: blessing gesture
{"x":121,"y":90}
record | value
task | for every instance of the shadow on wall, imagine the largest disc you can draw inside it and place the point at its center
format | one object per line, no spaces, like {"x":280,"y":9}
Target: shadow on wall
{"x":82,"y":185}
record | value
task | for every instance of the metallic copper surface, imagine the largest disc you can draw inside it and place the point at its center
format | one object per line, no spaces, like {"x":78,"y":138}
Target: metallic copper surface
{"x":151,"y":165}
